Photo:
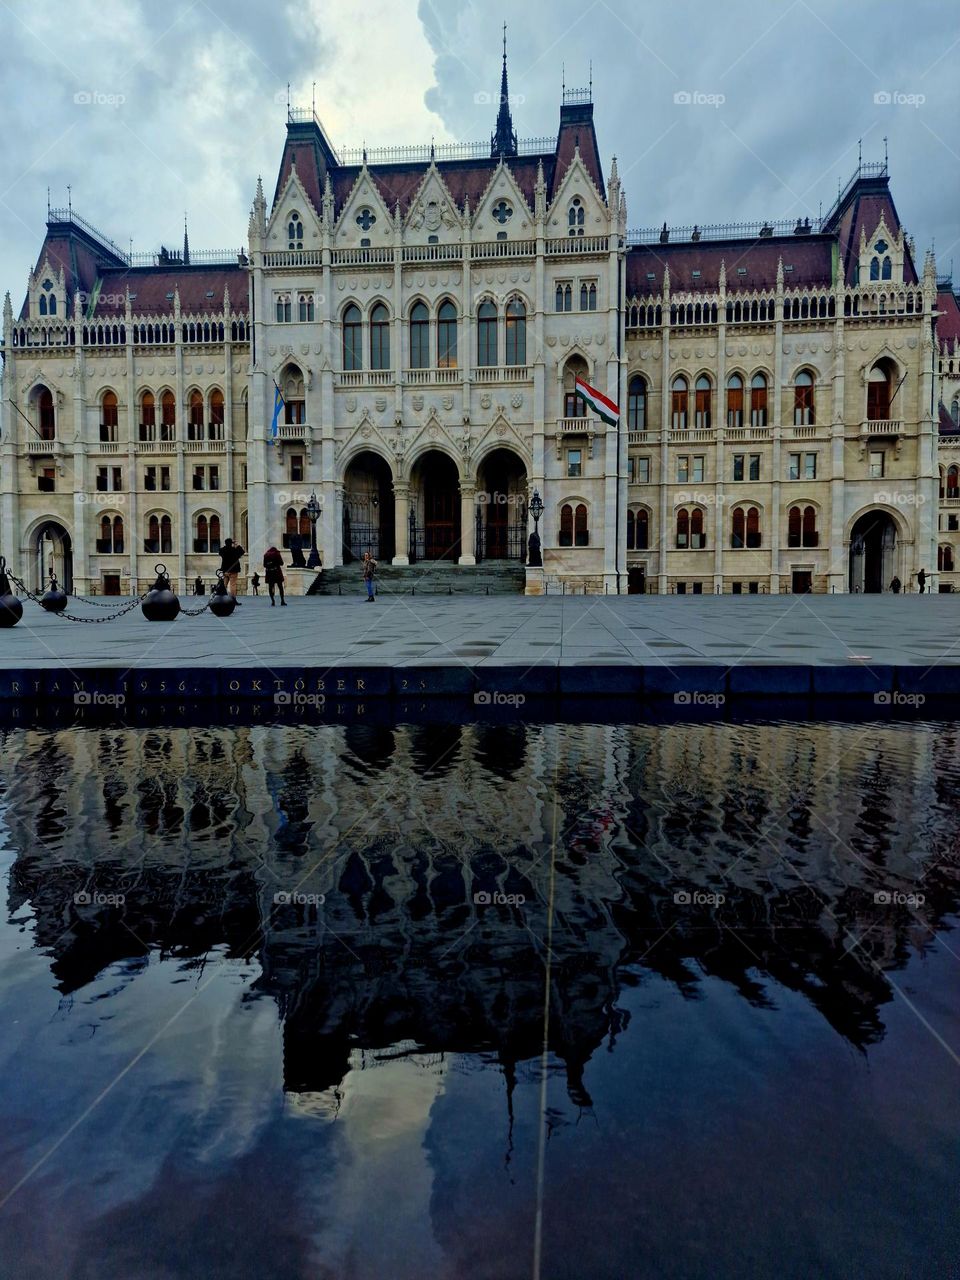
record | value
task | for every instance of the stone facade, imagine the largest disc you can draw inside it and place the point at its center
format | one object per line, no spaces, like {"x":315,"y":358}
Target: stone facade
{"x":423,"y":316}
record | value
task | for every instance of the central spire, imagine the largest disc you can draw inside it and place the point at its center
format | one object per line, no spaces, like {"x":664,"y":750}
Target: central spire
{"x":504,"y":141}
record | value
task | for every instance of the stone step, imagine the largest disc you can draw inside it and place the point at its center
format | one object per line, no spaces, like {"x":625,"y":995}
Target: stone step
{"x":430,"y":578}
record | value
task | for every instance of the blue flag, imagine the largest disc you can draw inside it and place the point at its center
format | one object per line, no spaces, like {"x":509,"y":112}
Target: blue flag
{"x":278,"y":404}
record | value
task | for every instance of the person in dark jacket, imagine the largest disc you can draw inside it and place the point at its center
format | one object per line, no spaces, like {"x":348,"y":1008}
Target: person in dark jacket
{"x":273,"y":574}
{"x":230,"y":564}
{"x":255,"y":583}
{"x":369,"y":569}
{"x":922,"y":580}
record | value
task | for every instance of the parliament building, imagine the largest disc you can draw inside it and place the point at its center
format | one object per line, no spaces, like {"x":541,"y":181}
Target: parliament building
{"x":788,"y":393}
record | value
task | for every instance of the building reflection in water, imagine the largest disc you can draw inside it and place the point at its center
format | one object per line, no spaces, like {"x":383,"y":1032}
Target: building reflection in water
{"x":383,"y":837}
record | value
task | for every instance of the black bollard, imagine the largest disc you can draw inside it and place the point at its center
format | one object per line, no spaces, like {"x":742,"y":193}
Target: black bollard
{"x":53,"y":599}
{"x":160,"y":604}
{"x":222,"y":603}
{"x":11,"y":610}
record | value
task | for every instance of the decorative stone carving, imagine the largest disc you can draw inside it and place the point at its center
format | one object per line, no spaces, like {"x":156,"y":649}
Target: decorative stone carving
{"x":447,"y":401}
{"x":350,"y":403}
{"x":380,"y":403}
{"x":485,"y":400}
{"x":417,"y":402}
{"x":517,"y":400}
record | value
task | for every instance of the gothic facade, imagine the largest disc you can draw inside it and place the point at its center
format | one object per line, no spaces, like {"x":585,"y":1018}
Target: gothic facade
{"x":420,"y":317}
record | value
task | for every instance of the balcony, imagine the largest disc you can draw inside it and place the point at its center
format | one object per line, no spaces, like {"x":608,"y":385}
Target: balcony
{"x":747,"y":433}
{"x":40,"y":448}
{"x":803,"y":433}
{"x":693,"y":435}
{"x":881,"y":428}
{"x":106,"y":446}
{"x":575,"y":246}
{"x":292,"y":431}
{"x":432,"y":253}
{"x":431,"y":377}
{"x":368,"y":256}
{"x":951,"y":500}
{"x":486,"y":249}
{"x":156,"y":446}
{"x":294,"y":258}
{"x":642,"y":437}
{"x":205,"y":446}
{"x":365,"y":378}
{"x":503,"y":373}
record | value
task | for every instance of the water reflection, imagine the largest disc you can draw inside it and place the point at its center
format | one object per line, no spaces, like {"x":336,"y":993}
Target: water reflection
{"x":389,"y":834}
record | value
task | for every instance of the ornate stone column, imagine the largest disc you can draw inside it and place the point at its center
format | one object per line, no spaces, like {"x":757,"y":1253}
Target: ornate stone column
{"x":401,"y":518}
{"x":468,"y":541}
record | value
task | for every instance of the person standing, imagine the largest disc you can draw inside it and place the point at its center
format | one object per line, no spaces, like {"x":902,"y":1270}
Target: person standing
{"x":369,"y":569}
{"x":255,"y":583}
{"x":273,"y":574}
{"x":230,"y":564}
{"x":922,"y":580}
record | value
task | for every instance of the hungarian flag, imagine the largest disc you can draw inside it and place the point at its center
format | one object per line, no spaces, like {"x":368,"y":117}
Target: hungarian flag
{"x":278,"y":404}
{"x":601,"y":405}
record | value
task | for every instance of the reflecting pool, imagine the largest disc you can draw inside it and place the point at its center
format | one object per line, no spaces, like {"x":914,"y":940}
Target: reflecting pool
{"x":502,"y":1000}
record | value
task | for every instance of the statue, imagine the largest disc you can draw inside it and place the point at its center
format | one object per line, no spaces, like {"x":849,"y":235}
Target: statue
{"x":296,"y":552}
{"x":534,"y":559}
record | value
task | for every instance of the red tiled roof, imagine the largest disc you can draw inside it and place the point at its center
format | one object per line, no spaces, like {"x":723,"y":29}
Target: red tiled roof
{"x":79,"y":261}
{"x":868,"y":200}
{"x":810,"y":256}
{"x":201,"y":289}
{"x":948,"y":323}
{"x":947,"y":425}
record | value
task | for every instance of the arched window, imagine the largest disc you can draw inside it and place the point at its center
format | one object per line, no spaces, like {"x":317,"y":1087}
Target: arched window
{"x":879,"y":391}
{"x":216,"y":424}
{"x":945,"y":559}
{"x":109,"y":416}
{"x":874,"y":268}
{"x":284,"y":308}
{"x":565,"y":538}
{"x":698,"y":537}
{"x":168,"y":416}
{"x":291,"y":527}
{"x":683,"y":527}
{"x":734,"y":400}
{"x":955,"y":410}
{"x":516,"y":333}
{"x":159,"y":537}
{"x":637,"y":405}
{"x":46,"y":419}
{"x":679,"y":396}
{"x":758,"y":400}
{"x":295,"y":232}
{"x":638,"y":529}
{"x":207,"y":534}
{"x":110,"y":541}
{"x":581,"y":534}
{"x":53,"y":305}
{"x":802,"y":527}
{"x":746,"y":527}
{"x":43,"y":304}
{"x":887,"y":270}
{"x":953,"y":482}
{"x":419,"y":337}
{"x":574,"y":406}
{"x":379,"y":337}
{"x":576,"y":216}
{"x":305,"y":529}
{"x":305,"y":307}
{"x":352,"y":338}
{"x":702,"y":403}
{"x":564,"y":296}
{"x":447,"y":336}
{"x":803,"y":406}
{"x":195,"y":416}
{"x":486,"y":334}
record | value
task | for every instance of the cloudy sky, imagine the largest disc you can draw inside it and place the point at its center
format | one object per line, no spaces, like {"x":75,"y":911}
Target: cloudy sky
{"x":147,"y":110}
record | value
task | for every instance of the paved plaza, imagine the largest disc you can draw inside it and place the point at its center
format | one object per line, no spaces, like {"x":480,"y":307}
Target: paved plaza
{"x":437,"y":645}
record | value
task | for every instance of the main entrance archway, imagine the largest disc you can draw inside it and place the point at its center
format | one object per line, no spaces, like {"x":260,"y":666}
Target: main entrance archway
{"x":52,"y":549}
{"x":873,"y":552}
{"x":434,"y":508}
{"x":368,"y":508}
{"x":501,"y":507}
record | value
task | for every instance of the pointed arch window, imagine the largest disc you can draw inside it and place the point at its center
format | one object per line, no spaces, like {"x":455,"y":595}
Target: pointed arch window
{"x":43,"y":304}
{"x":758,"y":400}
{"x":109,"y":416}
{"x":953,"y":482}
{"x":379,"y":337}
{"x":486,"y":334}
{"x":447,"y":336}
{"x":637,"y":405}
{"x":168,"y":416}
{"x":678,"y":403}
{"x":148,"y":416}
{"x":581,"y":534}
{"x":352,"y":338}
{"x":419,"y":337}
{"x":284,"y":308}
{"x":576,"y":217}
{"x":564,"y":297}
{"x":195,"y":416}
{"x":879,"y":391}
{"x":945,"y":559}
{"x":305,"y":310}
{"x":295,"y":232}
{"x":803,"y":402}
{"x":886,"y":272}
{"x":110,"y":541}
{"x":215,"y":427}
{"x":874,"y":268}
{"x":516,"y":333}
{"x":734,"y":401}
{"x":702,"y":404}
{"x":565,"y":537}
{"x":638,"y":529}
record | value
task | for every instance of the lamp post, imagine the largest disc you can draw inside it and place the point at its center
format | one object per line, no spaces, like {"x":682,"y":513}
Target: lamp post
{"x":314,"y":511}
{"x":534,"y":559}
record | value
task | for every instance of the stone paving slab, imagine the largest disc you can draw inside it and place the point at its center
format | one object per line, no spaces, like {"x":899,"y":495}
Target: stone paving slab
{"x":636,"y":646}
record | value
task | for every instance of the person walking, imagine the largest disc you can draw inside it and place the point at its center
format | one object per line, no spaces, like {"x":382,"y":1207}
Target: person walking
{"x":198,"y":587}
{"x":255,"y":583}
{"x":369,"y":569}
{"x":922,"y":580}
{"x":230,"y":564}
{"x":273,"y":574}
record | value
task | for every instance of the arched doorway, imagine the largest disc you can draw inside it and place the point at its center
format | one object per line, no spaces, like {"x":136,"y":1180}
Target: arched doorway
{"x":434,"y":508}
{"x":873,"y":552}
{"x":368,"y":508}
{"x":501,"y":507}
{"x":53,"y":550}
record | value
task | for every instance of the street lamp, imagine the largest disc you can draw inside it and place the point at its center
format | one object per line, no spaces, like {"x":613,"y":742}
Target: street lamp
{"x":534,"y":559}
{"x":314,"y":511}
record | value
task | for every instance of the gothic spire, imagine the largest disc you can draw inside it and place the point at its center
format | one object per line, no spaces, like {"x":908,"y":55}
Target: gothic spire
{"x":504,"y":141}
{"x":186,"y":243}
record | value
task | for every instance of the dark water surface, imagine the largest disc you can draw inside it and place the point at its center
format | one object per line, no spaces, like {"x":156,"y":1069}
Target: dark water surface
{"x":696,"y":1040}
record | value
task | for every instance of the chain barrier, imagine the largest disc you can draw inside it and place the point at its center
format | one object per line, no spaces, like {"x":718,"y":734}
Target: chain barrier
{"x":72,"y":617}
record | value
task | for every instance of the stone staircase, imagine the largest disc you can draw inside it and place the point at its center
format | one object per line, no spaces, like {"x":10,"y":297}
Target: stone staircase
{"x":430,"y":577}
